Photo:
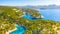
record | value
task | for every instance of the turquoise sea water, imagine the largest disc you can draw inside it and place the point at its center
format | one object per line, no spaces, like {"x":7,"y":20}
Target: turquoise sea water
{"x":20,"y":30}
{"x":28,"y":16}
{"x":52,"y":14}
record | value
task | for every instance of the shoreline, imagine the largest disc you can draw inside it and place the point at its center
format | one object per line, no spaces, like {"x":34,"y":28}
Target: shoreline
{"x":11,"y":31}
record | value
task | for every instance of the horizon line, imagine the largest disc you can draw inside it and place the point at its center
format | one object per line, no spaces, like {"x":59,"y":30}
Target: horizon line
{"x":30,"y":5}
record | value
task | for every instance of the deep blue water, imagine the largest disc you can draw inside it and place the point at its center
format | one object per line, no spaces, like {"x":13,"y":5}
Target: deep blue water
{"x":52,"y":14}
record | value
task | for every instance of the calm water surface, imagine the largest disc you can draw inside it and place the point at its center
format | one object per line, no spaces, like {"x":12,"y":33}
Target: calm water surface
{"x":52,"y":14}
{"x":20,"y":30}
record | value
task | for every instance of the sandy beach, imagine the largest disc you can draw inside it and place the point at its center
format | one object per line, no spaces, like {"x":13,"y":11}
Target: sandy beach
{"x":11,"y":31}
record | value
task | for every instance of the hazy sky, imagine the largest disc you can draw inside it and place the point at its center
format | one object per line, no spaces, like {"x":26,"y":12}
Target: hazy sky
{"x":28,"y":2}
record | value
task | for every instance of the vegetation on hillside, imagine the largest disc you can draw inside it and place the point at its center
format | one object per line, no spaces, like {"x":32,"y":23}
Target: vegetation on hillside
{"x":32,"y":12}
{"x":9,"y":16}
{"x":40,"y":26}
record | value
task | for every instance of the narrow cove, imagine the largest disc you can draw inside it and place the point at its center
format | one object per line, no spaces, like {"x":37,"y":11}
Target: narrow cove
{"x":20,"y":30}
